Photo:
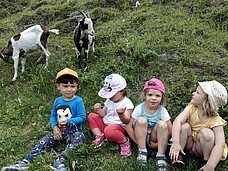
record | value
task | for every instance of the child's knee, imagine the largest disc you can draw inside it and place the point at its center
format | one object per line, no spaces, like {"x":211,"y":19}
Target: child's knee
{"x":91,"y":116}
{"x":185,"y":127}
{"x":141,"y":121}
{"x":162,"y":125}
{"x":206,"y":134}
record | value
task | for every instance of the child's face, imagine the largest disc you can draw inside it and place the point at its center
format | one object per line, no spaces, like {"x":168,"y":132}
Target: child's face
{"x":117,"y":97}
{"x":67,"y":90}
{"x":153,"y":98}
{"x":198,"y":96}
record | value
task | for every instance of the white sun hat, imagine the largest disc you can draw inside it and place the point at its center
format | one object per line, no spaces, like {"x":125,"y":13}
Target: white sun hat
{"x":112,"y":84}
{"x":217,"y":93}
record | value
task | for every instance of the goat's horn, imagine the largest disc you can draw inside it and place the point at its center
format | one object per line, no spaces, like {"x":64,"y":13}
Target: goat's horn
{"x":83,"y":14}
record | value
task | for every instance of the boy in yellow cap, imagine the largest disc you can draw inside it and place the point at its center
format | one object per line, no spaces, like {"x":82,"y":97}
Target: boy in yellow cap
{"x":66,"y":119}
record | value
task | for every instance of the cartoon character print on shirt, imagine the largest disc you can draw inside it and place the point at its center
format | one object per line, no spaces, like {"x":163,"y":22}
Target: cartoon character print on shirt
{"x":63,"y":113}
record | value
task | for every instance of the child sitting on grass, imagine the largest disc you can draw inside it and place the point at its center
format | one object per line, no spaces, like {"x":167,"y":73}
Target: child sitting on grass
{"x":150,"y":123}
{"x":66,"y":119}
{"x":109,"y":121}
{"x":198,"y":129}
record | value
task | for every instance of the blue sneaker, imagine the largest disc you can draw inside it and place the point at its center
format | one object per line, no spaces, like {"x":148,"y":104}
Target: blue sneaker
{"x":23,"y":165}
{"x":59,"y":165}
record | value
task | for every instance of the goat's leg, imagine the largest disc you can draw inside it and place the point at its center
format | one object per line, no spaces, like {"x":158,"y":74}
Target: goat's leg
{"x":91,"y":43}
{"x":78,"y":54}
{"x":79,"y":61}
{"x":93,"y":47}
{"x":47,"y":59}
{"x":46,"y":52}
{"x":16,"y":61}
{"x":23,"y":61}
{"x":86,"y":64}
{"x":39,"y":59}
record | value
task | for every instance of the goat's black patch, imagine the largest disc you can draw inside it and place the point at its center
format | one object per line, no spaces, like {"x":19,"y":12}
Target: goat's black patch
{"x":17,"y":37}
{"x":43,"y":38}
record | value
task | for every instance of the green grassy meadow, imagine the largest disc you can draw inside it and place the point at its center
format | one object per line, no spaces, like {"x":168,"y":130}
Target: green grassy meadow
{"x":179,"y":42}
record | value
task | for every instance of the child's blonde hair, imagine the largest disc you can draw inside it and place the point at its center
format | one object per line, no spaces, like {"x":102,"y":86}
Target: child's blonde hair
{"x":207,"y":108}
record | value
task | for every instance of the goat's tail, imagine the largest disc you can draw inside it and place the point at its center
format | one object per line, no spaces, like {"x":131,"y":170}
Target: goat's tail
{"x":56,"y":31}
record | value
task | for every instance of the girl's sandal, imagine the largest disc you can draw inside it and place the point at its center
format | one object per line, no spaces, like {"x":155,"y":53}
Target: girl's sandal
{"x":142,"y":157}
{"x":162,"y":166}
{"x":203,"y":162}
{"x":179,"y":162}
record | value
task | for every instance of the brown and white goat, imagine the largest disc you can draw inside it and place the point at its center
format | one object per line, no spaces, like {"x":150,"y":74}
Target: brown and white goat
{"x":29,"y":40}
{"x":84,"y":38}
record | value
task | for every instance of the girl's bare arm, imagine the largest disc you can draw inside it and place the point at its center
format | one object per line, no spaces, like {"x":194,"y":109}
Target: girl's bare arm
{"x":130,"y":130}
{"x":99,"y":110}
{"x":124,"y":114}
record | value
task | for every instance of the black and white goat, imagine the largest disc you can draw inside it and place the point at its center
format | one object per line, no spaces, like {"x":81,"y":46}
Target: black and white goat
{"x":84,"y":36}
{"x":29,"y":40}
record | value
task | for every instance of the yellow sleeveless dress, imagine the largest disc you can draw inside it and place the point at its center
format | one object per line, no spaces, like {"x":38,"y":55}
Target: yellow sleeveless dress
{"x":197,"y":124}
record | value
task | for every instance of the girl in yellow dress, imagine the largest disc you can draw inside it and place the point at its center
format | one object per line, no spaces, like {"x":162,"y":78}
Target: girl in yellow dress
{"x":198,"y":130}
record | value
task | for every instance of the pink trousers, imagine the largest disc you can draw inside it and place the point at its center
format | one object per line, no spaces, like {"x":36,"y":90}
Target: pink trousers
{"x":113,"y":132}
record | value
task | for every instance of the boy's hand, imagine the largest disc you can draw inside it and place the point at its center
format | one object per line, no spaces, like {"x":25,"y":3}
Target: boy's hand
{"x":63,"y":123}
{"x":57,"y":133}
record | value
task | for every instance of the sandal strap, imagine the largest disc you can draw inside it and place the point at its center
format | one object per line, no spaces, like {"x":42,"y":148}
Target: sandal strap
{"x":180,"y":157}
{"x":179,"y":162}
{"x":143,"y":153}
{"x":162,"y":167}
{"x":161,"y":158}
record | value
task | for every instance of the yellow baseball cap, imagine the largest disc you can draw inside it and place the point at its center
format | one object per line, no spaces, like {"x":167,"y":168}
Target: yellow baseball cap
{"x":67,"y":71}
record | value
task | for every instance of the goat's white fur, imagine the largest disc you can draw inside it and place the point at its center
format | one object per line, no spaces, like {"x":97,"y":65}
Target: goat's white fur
{"x":89,"y":33}
{"x":137,"y":4}
{"x":29,"y":41}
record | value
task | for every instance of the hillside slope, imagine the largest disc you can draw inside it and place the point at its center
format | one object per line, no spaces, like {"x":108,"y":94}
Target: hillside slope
{"x":180,"y":42}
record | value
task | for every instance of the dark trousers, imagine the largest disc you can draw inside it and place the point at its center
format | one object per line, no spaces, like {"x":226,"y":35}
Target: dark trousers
{"x":72,"y":141}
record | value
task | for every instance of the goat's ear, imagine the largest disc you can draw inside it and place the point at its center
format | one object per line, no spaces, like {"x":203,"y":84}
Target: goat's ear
{"x":9,"y":44}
